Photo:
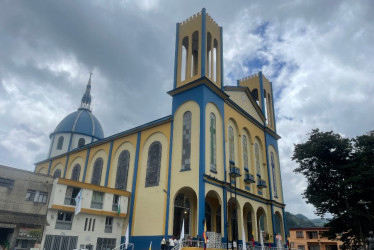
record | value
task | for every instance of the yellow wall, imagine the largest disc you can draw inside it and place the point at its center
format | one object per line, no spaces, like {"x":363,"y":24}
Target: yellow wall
{"x":150,"y":202}
{"x":180,"y":178}
{"x":253,"y":132}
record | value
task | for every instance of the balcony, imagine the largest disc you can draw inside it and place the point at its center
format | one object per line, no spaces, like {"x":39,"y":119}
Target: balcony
{"x":69,"y":201}
{"x":234,"y":172}
{"x":261,"y":183}
{"x":249,"y":178}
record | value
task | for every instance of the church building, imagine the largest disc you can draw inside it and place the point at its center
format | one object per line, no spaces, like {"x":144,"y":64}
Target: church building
{"x":213,"y":161}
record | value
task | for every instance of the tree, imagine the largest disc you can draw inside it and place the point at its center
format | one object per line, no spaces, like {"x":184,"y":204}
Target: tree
{"x":339,"y":172}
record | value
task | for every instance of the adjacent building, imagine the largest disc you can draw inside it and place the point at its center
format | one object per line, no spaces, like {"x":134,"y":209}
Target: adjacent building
{"x":312,"y":238}
{"x":214,"y":160}
{"x":24,"y":197}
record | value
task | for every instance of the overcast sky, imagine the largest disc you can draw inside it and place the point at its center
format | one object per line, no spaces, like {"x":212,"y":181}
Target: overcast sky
{"x":318,"y":54}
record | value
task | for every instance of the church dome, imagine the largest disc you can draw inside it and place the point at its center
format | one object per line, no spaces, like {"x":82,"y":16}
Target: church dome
{"x":82,"y":122}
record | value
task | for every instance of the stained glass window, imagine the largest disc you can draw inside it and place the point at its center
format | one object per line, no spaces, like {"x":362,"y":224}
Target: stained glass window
{"x":153,"y":165}
{"x":245,"y":152}
{"x":231,"y":145}
{"x":213,"y":153}
{"x":186,"y":144}
{"x":96,"y":172}
{"x":257,"y":159}
{"x":76,"y":172}
{"x":273,"y":173}
{"x":122,"y":170}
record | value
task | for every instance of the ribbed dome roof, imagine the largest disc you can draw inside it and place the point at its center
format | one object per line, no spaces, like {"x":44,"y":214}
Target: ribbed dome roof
{"x":81,"y":121}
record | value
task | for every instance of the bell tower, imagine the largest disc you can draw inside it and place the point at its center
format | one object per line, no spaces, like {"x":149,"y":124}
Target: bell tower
{"x":198,"y":51}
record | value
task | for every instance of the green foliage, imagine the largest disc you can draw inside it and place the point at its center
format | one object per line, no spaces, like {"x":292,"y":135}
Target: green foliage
{"x":297,"y":221}
{"x":339,"y":172}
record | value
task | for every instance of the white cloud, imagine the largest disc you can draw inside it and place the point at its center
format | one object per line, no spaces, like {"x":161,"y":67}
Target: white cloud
{"x":318,"y":58}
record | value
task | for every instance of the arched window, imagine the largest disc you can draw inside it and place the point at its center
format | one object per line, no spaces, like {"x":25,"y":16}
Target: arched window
{"x":277,"y":224}
{"x":76,"y":172}
{"x":273,"y":173}
{"x":195,"y":53}
{"x":57,"y":174}
{"x":255,"y":96}
{"x":270,"y":111}
{"x":257,"y":160}
{"x":96,"y":172}
{"x":153,"y":165}
{"x":184,"y":58}
{"x":209,"y":54}
{"x":214,"y":62}
{"x":213,"y":153}
{"x":231,"y":145}
{"x":122,"y":170}
{"x":60,"y":142}
{"x":81,"y":142}
{"x":245,"y":152}
{"x":208,"y":216}
{"x":186,"y":144}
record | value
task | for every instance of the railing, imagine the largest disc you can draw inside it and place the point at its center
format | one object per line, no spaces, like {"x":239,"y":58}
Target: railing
{"x":234,"y":171}
{"x":261,"y":183}
{"x":97,"y":205}
{"x":249,"y":178}
{"x":130,"y":246}
{"x":69,"y":201}
{"x":200,"y":244}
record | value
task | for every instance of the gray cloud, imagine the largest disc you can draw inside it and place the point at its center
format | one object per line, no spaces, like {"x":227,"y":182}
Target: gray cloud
{"x":317,"y":55}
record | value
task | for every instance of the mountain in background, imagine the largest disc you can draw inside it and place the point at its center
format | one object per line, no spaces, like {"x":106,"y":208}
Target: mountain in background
{"x":299,"y":221}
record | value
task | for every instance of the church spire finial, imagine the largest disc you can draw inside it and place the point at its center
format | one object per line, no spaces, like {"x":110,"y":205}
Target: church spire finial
{"x":86,"y":99}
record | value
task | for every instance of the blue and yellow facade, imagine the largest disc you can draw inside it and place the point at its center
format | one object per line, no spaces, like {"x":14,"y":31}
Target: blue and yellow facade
{"x":219,"y":166}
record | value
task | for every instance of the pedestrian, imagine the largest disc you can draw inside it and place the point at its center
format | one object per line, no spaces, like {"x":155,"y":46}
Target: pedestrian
{"x":163,"y":244}
{"x":171,"y":242}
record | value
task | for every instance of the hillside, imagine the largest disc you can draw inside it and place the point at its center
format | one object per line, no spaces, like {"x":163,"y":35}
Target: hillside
{"x":300,"y":220}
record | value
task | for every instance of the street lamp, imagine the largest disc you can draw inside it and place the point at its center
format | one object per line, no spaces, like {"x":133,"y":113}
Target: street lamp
{"x":234,"y":172}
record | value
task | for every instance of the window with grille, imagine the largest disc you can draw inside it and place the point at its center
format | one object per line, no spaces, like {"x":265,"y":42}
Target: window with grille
{"x":96,"y":172}
{"x":122,"y":170}
{"x":70,"y":195}
{"x":97,"y":200}
{"x":153,"y":165}
{"x":36,"y":196}
{"x":5,"y":182}
{"x":115,"y":202}
{"x":186,"y":143}
{"x":108,"y":224}
{"x":299,"y":234}
{"x":64,"y":220}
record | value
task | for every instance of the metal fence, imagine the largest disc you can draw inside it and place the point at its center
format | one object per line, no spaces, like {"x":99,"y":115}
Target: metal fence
{"x":216,"y":245}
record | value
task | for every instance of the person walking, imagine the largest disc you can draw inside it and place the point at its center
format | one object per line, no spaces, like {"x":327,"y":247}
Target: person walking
{"x":163,"y":244}
{"x":171,"y":243}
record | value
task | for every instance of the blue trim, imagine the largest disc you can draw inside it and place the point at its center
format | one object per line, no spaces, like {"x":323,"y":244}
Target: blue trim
{"x":201,"y":206}
{"x":176,"y":56}
{"x":247,"y":188}
{"x":131,"y":212}
{"x":49,"y":167}
{"x":225,"y":173}
{"x":66,"y":164}
{"x":169,"y":178}
{"x":262,"y":93}
{"x":85,"y":164}
{"x":108,"y":165}
{"x":272,"y":103}
{"x":50,"y":149}
{"x":143,"y":242}
{"x":203,"y":41}
{"x":184,"y":170}
{"x":221,"y":48}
